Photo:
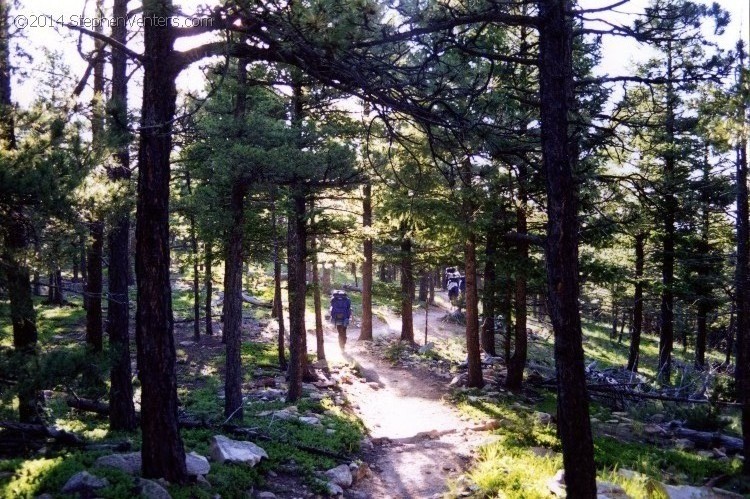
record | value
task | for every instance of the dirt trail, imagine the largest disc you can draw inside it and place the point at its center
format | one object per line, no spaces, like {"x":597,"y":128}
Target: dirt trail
{"x":419,"y":442}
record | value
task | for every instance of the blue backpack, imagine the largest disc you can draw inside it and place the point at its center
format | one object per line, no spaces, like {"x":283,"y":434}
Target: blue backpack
{"x":341,"y":306}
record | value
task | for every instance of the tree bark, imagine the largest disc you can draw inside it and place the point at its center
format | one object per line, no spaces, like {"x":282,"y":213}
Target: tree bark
{"x":319,"y":339}
{"x":635,"y":337}
{"x":209,"y":277}
{"x":296,"y":285}
{"x":365,"y":332}
{"x":122,"y":415}
{"x":424,"y":282}
{"x":233,"y":306}
{"x":277,"y":300}
{"x":13,"y":257}
{"x":557,"y":100}
{"x":163,"y":453}
{"x":666,"y":336}
{"x":517,"y":362}
{"x":407,"y":287}
{"x":94,"y":332}
{"x":475,"y":378}
{"x":489,"y":298}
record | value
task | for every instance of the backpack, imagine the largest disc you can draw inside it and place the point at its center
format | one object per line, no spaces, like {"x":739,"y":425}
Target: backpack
{"x":340,"y":306}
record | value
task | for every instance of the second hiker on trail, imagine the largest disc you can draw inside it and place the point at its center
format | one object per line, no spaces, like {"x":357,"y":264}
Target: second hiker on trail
{"x":341,"y":313}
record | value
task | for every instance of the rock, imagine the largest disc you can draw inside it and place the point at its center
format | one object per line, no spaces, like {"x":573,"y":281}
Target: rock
{"x":84,"y":483}
{"x":556,"y":484}
{"x":197,"y":465}
{"x":542,"y":418}
{"x":129,"y":463}
{"x":202,"y":482}
{"x":265,"y":495}
{"x":374,"y":385}
{"x":340,"y":475}
{"x":334,"y":490}
{"x":312,"y":420}
{"x":152,"y":490}
{"x":658,"y":418}
{"x":690,"y":492}
{"x":543,"y":452}
{"x":458,"y":380}
{"x":224,"y":449}
{"x":619,"y":414}
{"x":654,"y":430}
{"x":187,"y":343}
{"x":490,"y":424}
{"x":684,"y":444}
{"x":595,"y":421}
{"x":608,"y":490}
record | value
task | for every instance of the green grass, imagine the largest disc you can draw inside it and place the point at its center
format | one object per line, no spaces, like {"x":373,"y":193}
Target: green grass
{"x":509,"y":468}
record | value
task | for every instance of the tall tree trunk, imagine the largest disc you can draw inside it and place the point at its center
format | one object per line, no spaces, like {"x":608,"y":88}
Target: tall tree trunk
{"x":296,"y":286}
{"x":233,"y":307}
{"x":13,"y":257}
{"x":196,"y":282}
{"x":666,"y":336}
{"x":163,"y":454}
{"x":277,"y":300}
{"x":94,"y":287}
{"x":407,"y":287}
{"x":635,"y":336}
{"x":365,"y":332}
{"x":517,"y":362}
{"x":742,"y":289}
{"x":424,"y":281}
{"x":557,"y":100}
{"x":319,"y":339}
{"x":94,"y":330}
{"x":730,"y":334}
{"x":209,"y":277}
{"x":489,"y":298}
{"x":474,"y":379}
{"x":507,"y":305}
{"x":431,"y":297}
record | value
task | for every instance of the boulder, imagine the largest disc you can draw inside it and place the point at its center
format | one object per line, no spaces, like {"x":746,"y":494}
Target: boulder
{"x":197,"y":465}
{"x":312,"y":420}
{"x":684,"y":444}
{"x":542,"y":418}
{"x":265,"y":495}
{"x":84,"y":483}
{"x":334,"y":490}
{"x":129,"y":463}
{"x":152,"y":490}
{"x":340,"y":475}
{"x":608,"y":490}
{"x":225,"y":449}
{"x":690,"y":492}
{"x":556,"y":484}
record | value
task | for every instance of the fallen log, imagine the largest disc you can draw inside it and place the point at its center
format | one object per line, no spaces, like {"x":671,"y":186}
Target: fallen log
{"x":41,"y":431}
{"x":709,"y":440}
{"x":256,"y":301}
{"x":352,"y":288}
{"x":88,"y":405}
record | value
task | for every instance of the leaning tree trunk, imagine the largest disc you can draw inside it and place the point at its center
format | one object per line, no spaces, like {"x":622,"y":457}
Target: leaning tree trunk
{"x":122,"y":409}
{"x":407,"y":288}
{"x":233,"y":307}
{"x":94,"y":333}
{"x":365,"y":332}
{"x":557,"y":100}
{"x":635,"y":337}
{"x":162,"y":451}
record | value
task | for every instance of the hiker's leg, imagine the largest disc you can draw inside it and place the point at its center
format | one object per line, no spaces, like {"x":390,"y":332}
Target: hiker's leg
{"x":342,"y":335}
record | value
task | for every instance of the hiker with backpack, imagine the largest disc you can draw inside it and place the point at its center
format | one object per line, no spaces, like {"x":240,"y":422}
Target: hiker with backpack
{"x":341,"y":313}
